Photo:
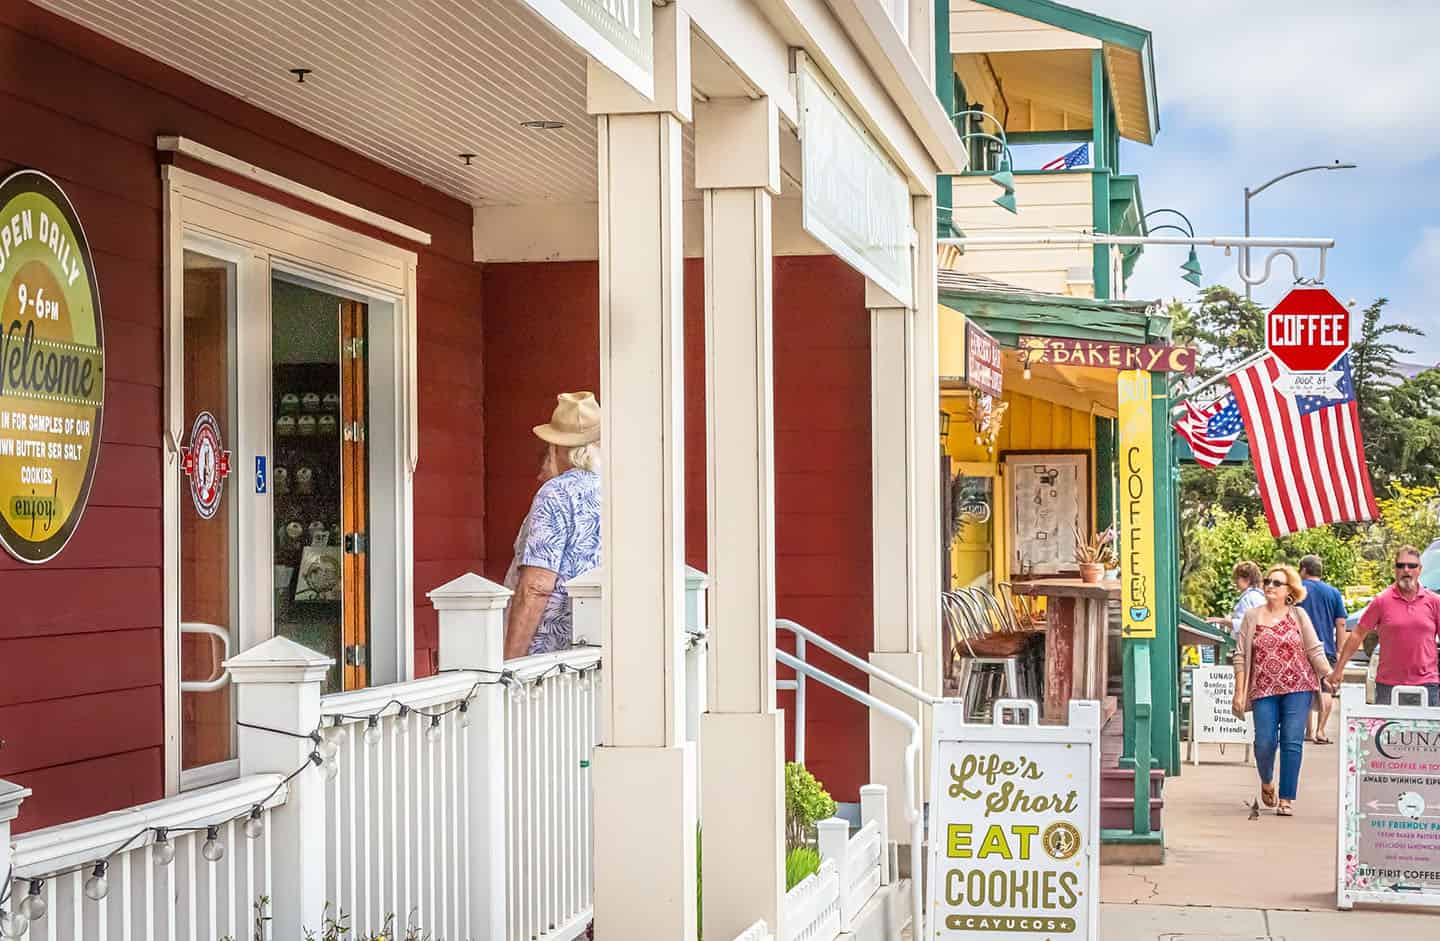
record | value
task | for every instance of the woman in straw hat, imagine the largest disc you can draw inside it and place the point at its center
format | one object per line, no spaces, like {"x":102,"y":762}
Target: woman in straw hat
{"x":1278,"y":666}
{"x":560,"y":537}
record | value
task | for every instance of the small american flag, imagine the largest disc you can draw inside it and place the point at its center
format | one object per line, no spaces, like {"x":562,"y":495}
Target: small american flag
{"x":1308,"y":452}
{"x":1078,"y":157}
{"x":1211,"y":430}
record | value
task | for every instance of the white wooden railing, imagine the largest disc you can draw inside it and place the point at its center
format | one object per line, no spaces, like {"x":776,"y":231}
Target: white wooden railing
{"x":141,"y":873}
{"x":457,"y":805}
{"x":551,"y":731}
{"x":852,"y":869}
{"x":812,"y":907}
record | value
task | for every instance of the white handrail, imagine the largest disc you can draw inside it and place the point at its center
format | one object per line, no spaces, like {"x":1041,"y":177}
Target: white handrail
{"x":869,"y":669}
{"x":911,"y":771}
{"x":219,"y":679}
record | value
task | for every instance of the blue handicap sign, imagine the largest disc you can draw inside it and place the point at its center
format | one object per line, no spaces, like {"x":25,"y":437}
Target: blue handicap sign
{"x":260,"y":476}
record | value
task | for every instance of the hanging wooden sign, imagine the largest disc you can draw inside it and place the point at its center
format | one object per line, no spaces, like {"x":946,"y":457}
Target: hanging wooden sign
{"x":984,"y":369}
{"x":1149,"y":357}
{"x":52,"y":368}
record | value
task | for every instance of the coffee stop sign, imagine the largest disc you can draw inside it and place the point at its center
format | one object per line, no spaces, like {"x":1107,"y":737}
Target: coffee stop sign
{"x":1308,"y":331}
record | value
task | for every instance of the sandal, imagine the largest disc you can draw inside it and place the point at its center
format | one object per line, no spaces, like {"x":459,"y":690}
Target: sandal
{"x":1284,"y":810}
{"x":1267,"y":795}
{"x":1321,"y":740}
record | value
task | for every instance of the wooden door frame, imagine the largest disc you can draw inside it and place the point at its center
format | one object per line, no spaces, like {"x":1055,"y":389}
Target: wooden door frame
{"x":264,"y":238}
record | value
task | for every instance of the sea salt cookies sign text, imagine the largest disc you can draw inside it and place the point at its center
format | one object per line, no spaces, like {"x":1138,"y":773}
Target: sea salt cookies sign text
{"x":52,"y":368}
{"x":1015,"y":825}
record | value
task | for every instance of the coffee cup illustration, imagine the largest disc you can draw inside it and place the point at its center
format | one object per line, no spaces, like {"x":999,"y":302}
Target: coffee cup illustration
{"x":1139,"y":614}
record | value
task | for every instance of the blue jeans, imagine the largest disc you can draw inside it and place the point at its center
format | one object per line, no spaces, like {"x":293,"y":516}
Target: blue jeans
{"x":1384,"y":695}
{"x":1280,"y":721}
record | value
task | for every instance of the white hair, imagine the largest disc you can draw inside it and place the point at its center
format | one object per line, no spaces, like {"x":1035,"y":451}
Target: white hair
{"x":586,"y":457}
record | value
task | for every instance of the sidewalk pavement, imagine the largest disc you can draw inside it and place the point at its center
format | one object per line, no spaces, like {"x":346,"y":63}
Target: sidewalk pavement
{"x":1227,"y":877}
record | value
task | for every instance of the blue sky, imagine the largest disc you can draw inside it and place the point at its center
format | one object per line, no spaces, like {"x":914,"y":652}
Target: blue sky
{"x":1251,"y":89}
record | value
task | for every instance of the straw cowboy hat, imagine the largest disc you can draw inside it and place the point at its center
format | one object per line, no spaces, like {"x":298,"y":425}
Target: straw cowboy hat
{"x":576,"y":421}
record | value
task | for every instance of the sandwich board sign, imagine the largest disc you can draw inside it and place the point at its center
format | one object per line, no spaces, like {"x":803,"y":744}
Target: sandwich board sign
{"x":1212,"y":689}
{"x":1389,"y":833}
{"x":1014,"y":825}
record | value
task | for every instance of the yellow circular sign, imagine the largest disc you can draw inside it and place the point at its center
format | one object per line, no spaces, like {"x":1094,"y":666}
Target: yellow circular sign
{"x":1061,"y":840}
{"x":52,"y":368}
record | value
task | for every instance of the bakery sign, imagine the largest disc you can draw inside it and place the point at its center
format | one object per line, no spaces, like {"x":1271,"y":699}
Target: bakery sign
{"x":1014,"y":825}
{"x":1105,"y":355}
{"x":984,"y":370}
{"x":52,"y":368}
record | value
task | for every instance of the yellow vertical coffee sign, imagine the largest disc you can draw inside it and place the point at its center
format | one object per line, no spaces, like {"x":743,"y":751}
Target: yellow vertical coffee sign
{"x":52,"y":368}
{"x":1137,"y":506}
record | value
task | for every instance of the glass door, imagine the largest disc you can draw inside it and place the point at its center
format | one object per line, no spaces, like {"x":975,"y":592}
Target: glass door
{"x":320,"y":493}
{"x":207,"y":518}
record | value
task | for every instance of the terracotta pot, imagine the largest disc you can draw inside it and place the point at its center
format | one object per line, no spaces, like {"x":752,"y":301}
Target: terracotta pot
{"x":1091,"y":572}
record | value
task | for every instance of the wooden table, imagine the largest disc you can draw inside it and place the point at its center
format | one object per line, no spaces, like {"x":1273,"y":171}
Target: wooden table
{"x":1076,"y":647}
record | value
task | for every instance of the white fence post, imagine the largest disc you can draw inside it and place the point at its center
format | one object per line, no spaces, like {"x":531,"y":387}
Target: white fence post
{"x":873,"y":803}
{"x":834,"y":841}
{"x":11,"y":796}
{"x":697,"y":682}
{"x":278,"y":684}
{"x":472,"y":637}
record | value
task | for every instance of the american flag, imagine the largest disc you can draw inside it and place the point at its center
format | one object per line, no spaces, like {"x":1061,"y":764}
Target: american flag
{"x":1308,"y":452}
{"x":1078,"y":157}
{"x":1211,"y":430}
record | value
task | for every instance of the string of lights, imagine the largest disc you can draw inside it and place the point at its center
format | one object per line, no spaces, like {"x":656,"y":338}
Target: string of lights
{"x":326,"y":741}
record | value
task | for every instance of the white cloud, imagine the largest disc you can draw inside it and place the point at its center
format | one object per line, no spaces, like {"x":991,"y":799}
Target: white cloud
{"x":1424,"y":259}
{"x":1345,"y":80}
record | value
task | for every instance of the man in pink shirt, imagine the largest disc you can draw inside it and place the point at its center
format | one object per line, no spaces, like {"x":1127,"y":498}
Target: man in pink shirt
{"x":1408,"y":618}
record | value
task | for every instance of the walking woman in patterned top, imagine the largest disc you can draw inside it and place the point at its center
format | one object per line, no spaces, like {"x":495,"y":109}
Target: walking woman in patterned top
{"x":1279,"y":664}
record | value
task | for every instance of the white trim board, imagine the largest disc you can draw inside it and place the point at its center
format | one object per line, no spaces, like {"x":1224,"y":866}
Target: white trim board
{"x":197,"y":151}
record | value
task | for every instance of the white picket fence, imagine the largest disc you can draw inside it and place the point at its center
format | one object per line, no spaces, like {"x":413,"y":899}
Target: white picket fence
{"x":852,"y":869}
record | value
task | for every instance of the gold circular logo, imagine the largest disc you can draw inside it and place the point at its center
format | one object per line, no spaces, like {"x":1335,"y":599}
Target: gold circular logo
{"x":1061,"y":840}
{"x":52,"y":368}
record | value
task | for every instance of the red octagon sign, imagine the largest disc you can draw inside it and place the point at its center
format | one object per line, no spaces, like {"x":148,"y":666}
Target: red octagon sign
{"x":1309,"y":330}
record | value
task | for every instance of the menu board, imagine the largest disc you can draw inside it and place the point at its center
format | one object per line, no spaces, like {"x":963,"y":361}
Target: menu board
{"x":52,"y":368}
{"x":1050,"y":501}
{"x":1390,"y":803}
{"x":1210,"y":715}
{"x":1014,"y":826}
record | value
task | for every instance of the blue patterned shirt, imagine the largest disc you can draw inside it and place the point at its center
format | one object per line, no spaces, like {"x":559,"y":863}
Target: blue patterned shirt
{"x":561,"y":533}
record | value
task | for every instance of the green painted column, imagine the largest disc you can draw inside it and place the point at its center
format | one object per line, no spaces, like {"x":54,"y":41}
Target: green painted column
{"x":1165,"y":649}
{"x":1106,"y":472}
{"x":1100,"y":177}
{"x":945,"y":91}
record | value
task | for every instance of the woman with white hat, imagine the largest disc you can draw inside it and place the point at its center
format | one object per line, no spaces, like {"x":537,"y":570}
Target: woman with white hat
{"x":560,"y":537}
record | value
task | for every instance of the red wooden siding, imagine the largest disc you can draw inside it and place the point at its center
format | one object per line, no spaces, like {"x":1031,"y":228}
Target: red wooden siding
{"x":80,"y":640}
{"x":542,"y":337}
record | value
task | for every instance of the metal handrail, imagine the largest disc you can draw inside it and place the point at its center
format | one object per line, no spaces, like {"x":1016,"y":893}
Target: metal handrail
{"x":218,"y":680}
{"x":912,"y":750}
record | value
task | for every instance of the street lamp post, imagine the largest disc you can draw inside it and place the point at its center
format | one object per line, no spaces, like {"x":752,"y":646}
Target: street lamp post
{"x":1251,"y":194}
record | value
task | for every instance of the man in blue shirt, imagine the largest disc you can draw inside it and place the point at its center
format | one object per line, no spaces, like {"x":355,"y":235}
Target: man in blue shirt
{"x":1326,"y":607}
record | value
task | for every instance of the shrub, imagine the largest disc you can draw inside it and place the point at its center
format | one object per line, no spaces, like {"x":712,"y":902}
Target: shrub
{"x":799,"y":863}
{"x":806,"y":804}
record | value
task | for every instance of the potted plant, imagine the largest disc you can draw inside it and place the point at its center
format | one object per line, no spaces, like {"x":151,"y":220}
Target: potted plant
{"x":1094,"y":554}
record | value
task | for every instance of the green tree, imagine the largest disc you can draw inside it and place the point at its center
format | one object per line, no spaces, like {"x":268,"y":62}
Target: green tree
{"x":1374,"y":366}
{"x":1223,"y":327}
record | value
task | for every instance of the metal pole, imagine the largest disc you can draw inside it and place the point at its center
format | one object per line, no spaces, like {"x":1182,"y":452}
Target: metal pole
{"x":1249,"y":194}
{"x":1246,"y":249}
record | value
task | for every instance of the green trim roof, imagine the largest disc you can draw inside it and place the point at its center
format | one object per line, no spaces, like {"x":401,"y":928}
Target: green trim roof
{"x":1097,"y":27}
{"x":1009,"y":313}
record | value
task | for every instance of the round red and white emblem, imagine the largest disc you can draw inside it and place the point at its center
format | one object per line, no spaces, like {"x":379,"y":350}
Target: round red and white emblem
{"x":207,"y":464}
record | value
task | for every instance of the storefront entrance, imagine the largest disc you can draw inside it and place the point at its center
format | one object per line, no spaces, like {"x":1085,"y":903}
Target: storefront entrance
{"x":316,"y":473}
{"x":290,"y":420}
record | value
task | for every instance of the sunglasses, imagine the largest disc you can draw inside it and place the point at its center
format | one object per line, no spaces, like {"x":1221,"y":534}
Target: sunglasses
{"x":1408,"y":566}
{"x":1276,"y":583}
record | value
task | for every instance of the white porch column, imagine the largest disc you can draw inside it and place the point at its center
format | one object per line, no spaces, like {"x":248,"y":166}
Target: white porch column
{"x":644,"y":772}
{"x":12,"y":796}
{"x":737,"y":168}
{"x":471,"y":610}
{"x":277,"y":684}
{"x":905,"y":510}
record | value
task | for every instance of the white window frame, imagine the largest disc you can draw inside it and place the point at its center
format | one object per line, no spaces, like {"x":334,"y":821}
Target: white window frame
{"x":264,"y":237}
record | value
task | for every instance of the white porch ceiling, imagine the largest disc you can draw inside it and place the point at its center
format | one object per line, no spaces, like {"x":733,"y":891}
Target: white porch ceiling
{"x":409,"y":83}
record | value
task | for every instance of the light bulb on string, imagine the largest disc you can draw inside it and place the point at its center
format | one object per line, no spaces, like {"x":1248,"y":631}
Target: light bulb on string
{"x":536,"y":691}
{"x":372,"y":730}
{"x":432,"y":734}
{"x":213,"y":849}
{"x":255,"y":823}
{"x":338,"y":731}
{"x":13,"y":924}
{"x":33,"y":906}
{"x":402,"y":721}
{"x":585,"y":683}
{"x":517,"y":691}
{"x":332,"y":769}
{"x":98,"y":886}
{"x":465,"y":714}
{"x":324,"y":745}
{"x":163,"y":848}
